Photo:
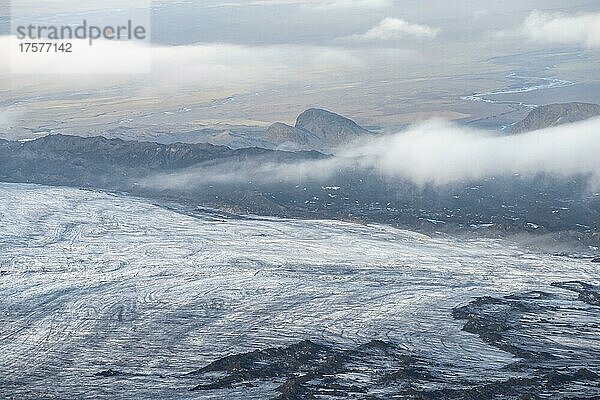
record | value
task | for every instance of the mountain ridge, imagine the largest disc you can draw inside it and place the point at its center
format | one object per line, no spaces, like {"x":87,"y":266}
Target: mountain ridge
{"x":550,"y":115}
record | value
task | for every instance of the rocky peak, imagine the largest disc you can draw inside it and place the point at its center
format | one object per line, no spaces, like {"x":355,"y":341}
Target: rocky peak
{"x":332,"y":128}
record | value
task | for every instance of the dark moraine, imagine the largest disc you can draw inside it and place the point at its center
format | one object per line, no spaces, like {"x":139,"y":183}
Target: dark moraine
{"x":532,"y":326}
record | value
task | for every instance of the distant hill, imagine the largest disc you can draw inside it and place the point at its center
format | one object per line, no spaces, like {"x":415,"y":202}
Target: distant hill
{"x":316,"y":129}
{"x":333,"y":129}
{"x":286,"y":137}
{"x":235,"y":139}
{"x":556,"y":114}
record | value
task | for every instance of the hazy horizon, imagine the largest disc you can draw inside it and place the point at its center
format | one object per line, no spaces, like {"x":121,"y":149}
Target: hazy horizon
{"x":385,"y":63}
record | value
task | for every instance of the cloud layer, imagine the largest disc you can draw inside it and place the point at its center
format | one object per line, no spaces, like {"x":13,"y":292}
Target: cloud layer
{"x":316,"y":4}
{"x":353,"y":4}
{"x":436,"y":152}
{"x":9,"y":117}
{"x":391,"y":29}
{"x":559,"y":28}
{"x":209,"y":66}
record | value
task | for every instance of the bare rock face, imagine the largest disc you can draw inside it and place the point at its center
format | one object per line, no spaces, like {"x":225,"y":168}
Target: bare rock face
{"x":332,"y":128}
{"x":556,"y":114}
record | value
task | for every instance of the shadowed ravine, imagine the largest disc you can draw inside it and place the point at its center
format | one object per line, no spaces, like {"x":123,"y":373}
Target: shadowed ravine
{"x":110,"y":297}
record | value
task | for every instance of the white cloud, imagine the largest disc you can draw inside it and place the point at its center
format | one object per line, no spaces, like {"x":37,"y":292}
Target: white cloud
{"x":355,"y":4}
{"x":316,"y":4}
{"x":213,"y":65}
{"x":391,"y":29}
{"x":435,"y":152}
{"x":439,"y":152}
{"x":558,"y":28}
{"x":9,"y":117}
{"x":218,"y":66}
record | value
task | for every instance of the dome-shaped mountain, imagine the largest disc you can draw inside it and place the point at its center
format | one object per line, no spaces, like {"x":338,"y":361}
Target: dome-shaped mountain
{"x":333,"y":129}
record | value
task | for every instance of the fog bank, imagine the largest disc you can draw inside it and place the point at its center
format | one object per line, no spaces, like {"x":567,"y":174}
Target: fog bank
{"x":436,"y":152}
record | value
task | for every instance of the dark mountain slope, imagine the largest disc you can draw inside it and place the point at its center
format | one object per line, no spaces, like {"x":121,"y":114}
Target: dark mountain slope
{"x":332,"y":128}
{"x":114,"y":163}
{"x":556,"y":114}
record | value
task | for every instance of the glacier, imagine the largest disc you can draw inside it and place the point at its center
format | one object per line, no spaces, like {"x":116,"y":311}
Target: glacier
{"x":93,"y":281}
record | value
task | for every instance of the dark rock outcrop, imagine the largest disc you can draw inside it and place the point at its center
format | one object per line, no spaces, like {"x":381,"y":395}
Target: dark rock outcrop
{"x":556,"y":114}
{"x":531,"y":325}
{"x":306,"y":369}
{"x":109,"y":373}
{"x":315,"y":129}
{"x":587,"y":293}
{"x":548,"y":384}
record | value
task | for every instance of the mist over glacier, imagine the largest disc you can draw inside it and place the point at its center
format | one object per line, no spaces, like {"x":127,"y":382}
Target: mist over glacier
{"x":435,"y":152}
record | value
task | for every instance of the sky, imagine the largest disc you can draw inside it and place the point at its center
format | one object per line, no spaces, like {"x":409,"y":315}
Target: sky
{"x":319,"y":22}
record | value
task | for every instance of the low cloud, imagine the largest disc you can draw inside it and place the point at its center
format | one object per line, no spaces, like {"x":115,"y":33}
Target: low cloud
{"x":436,"y":153}
{"x":353,"y":4}
{"x":9,"y":117}
{"x":558,"y":29}
{"x":215,"y":65}
{"x":314,"y":4}
{"x":393,"y":29}
{"x":229,"y":68}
